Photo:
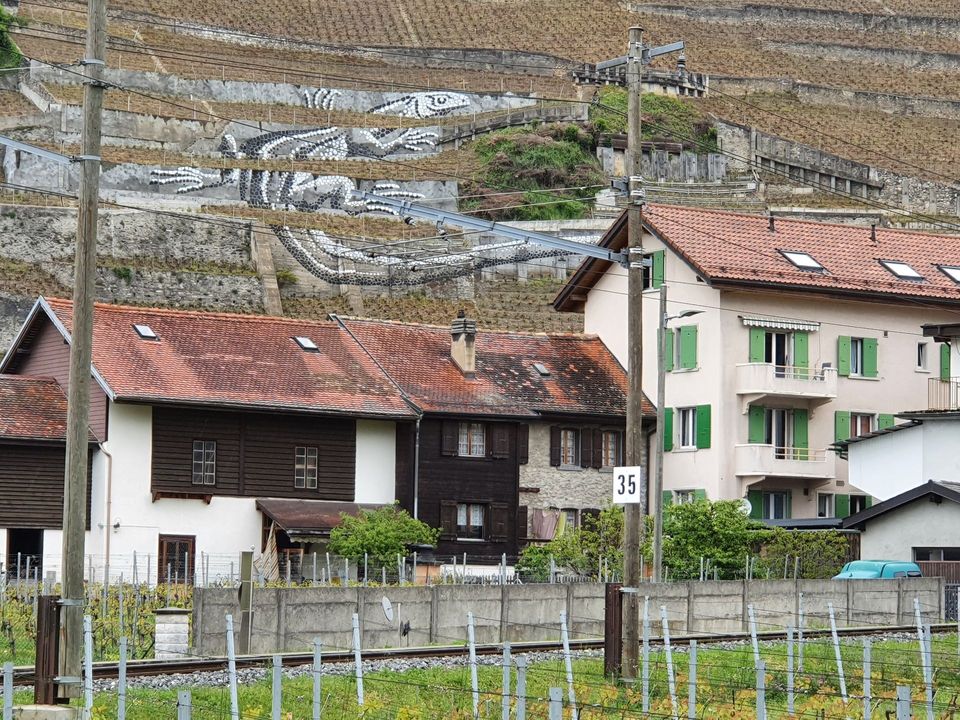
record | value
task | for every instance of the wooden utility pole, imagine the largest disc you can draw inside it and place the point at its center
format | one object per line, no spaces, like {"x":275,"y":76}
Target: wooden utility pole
{"x":81,"y":351}
{"x":633,"y":526}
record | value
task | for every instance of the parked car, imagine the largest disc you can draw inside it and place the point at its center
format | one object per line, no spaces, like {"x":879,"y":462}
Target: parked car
{"x":872,"y":569}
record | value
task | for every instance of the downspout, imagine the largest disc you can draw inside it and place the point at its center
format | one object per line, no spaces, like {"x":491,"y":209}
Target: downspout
{"x":408,"y":400}
{"x":108,"y":523}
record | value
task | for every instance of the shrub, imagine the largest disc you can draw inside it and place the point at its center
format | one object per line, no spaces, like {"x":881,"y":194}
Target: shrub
{"x":821,"y":552}
{"x":381,"y":534}
{"x":715,"y":530}
{"x":286,"y":277}
{"x":665,"y":119}
{"x":9,"y":52}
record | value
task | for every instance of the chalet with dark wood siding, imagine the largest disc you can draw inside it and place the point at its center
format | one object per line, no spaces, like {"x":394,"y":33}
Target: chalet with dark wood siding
{"x":484,"y":472}
{"x":201,"y":416}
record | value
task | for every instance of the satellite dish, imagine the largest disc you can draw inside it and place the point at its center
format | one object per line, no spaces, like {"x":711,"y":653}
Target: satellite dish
{"x":387,"y":608}
{"x":746,"y":507}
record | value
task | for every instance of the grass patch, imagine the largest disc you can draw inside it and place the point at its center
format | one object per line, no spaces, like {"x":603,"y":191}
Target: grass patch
{"x":665,"y":119}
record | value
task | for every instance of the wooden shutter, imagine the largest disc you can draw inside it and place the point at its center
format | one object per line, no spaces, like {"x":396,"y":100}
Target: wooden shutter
{"x":688,"y":347}
{"x":758,"y":345}
{"x":666,"y":498}
{"x":756,"y":424}
{"x":843,"y":355}
{"x":448,"y":520}
{"x":667,"y":430}
{"x":597,"y":449}
{"x":700,"y":495}
{"x":703,"y":427}
{"x":523,"y":525}
{"x":657,"y":269}
{"x":498,"y":521}
{"x":801,"y":353}
{"x":668,"y":350}
{"x":586,"y":447}
{"x":885,"y":420}
{"x":944,"y":361}
{"x":801,"y":438}
{"x":870,"y":357}
{"x":500,"y":440}
{"x":867,"y":502}
{"x":449,"y":437}
{"x":523,"y":443}
{"x":841,"y":425}
{"x":756,"y":504}
{"x":841,"y":505}
{"x":555,"y":445}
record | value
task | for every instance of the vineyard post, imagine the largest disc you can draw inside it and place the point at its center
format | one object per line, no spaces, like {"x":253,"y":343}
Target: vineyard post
{"x":473,"y":665}
{"x":928,"y":667}
{"x":692,"y":682}
{"x":122,"y":681}
{"x":761,"y":691}
{"x":645,"y":661}
{"x":903,"y":702}
{"x":87,"y":667}
{"x":867,"y":699}
{"x":790,"y":678}
{"x":836,"y":651}
{"x":555,"y":709}
{"x":565,"y":640}
{"x":505,"y":699}
{"x":800,"y":632}
{"x":521,"y":713}
{"x":184,"y":705}
{"x":671,"y":680}
{"x":358,"y":662}
{"x":7,"y":691}
{"x":753,"y":635}
{"x":276,"y":688}
{"x":232,"y":671}
{"x":317,"y":675}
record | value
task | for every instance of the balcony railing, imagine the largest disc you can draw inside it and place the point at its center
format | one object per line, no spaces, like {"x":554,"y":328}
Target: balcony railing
{"x":760,"y":379}
{"x":943,"y":394}
{"x":773,"y":460}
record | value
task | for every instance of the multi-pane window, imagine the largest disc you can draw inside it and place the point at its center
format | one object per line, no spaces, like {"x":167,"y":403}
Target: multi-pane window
{"x":611,"y":448}
{"x":570,"y":517}
{"x":685,"y":497}
{"x":688,"y":426}
{"x":860,"y":424}
{"x":774,"y":506}
{"x":472,"y":441}
{"x":470,"y":520}
{"x":204,"y":462}
{"x":825,"y":505}
{"x":856,"y":356}
{"x":305,"y":468}
{"x":569,"y":446}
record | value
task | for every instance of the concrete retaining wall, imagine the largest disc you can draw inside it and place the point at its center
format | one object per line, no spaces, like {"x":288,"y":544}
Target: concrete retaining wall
{"x":289,"y":619}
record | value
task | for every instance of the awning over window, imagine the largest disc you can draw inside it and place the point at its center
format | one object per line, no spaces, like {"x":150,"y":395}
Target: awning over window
{"x":775,"y":323}
{"x":308,"y":520}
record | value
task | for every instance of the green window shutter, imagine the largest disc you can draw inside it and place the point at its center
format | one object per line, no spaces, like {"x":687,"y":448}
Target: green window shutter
{"x":843,"y":355}
{"x":668,"y":429}
{"x":870,"y":357}
{"x":801,"y":353}
{"x":668,"y":350}
{"x":885,"y":421}
{"x":688,"y":347}
{"x":703,"y":427}
{"x":867,"y":502}
{"x":758,"y":345}
{"x":841,"y":505}
{"x":756,"y":504}
{"x":756,"y":421}
{"x":841,"y":425}
{"x":657,"y":276}
{"x":666,"y":498}
{"x":944,"y":361}
{"x":801,"y":438}
{"x":699,"y":495}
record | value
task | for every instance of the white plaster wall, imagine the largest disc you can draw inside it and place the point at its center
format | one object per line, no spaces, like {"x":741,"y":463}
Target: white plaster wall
{"x":941,"y":450}
{"x":376,"y":461}
{"x":888,"y":465}
{"x":919,"y":524}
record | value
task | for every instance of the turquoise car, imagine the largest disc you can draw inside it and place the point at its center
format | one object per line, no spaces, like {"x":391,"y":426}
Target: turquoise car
{"x":874,"y":569}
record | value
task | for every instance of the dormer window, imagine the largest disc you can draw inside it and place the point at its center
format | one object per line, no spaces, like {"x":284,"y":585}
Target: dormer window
{"x":802,"y":260}
{"x":306,"y":344}
{"x":901,"y":270}
{"x":145,"y":332}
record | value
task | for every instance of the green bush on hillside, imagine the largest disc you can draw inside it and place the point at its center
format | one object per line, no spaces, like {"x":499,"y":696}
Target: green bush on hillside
{"x":9,"y":52}
{"x":665,"y":119}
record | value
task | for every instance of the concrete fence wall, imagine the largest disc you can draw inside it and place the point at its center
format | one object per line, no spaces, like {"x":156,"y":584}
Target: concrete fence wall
{"x":288,"y":619}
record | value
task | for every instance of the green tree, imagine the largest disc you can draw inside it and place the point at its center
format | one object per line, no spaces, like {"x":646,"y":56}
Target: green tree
{"x":382,"y":534}
{"x":822,"y":553}
{"x":718,"y":531}
{"x":9,"y":52}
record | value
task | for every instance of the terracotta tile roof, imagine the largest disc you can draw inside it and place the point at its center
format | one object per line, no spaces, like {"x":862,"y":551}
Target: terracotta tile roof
{"x":235,"y":360}
{"x":585,"y":378}
{"x":32,"y":408}
{"x":740,"y":248}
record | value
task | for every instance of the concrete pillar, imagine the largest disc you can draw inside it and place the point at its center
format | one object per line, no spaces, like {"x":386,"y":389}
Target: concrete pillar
{"x":171,"y":638}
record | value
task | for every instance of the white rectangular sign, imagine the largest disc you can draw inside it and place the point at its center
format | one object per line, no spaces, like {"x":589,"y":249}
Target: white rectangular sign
{"x":627,"y":485}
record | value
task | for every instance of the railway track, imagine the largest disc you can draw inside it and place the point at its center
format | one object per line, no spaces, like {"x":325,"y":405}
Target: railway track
{"x":144,"y":668}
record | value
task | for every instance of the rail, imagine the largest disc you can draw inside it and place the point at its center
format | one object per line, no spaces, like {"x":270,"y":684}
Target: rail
{"x":943,"y":394}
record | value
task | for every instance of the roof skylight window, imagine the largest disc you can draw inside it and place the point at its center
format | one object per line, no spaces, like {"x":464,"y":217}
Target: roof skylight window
{"x":306,"y":343}
{"x":901,"y":270}
{"x":145,"y":332}
{"x":951,"y":271}
{"x":802,"y":260}
{"x":541,"y":369}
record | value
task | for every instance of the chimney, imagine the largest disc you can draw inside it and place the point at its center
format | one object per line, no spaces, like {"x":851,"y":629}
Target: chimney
{"x":770,"y":224}
{"x":873,"y":233}
{"x":463,"y":351}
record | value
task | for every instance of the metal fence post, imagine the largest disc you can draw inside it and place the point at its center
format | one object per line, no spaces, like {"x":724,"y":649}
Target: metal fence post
{"x":565,"y":639}
{"x":753,"y":635}
{"x":903,"y":702}
{"x":357,"y":659}
{"x":867,"y":699}
{"x":671,"y":679}
{"x":184,"y":705}
{"x":232,"y":671}
{"x":556,"y":704}
{"x":645,"y":657}
{"x":692,"y":682}
{"x":317,"y":675}
{"x":277,"y":688}
{"x":505,"y":709}
{"x":471,"y":640}
{"x":7,"y":691}
{"x":521,"y":687}
{"x":761,"y":691}
{"x":836,"y":651}
{"x":790,"y":678}
{"x":122,"y":681}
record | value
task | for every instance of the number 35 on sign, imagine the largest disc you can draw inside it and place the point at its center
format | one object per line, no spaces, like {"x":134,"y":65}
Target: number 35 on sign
{"x":627,"y":485}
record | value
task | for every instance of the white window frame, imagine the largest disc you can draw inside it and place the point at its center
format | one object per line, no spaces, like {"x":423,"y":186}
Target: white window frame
{"x":858,"y":498}
{"x":802,"y":260}
{"x":305,"y":462}
{"x":687,"y":428}
{"x":830,"y":505}
{"x":204,"y":464}
{"x":856,"y":356}
{"x":469,"y":513}
{"x":902,"y":270}
{"x":922,"y":355}
{"x":855,"y":417}
{"x":684,"y":497}
{"x":611,"y":448}
{"x":769,"y":504}
{"x":569,"y":447}
{"x":472,"y":440}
